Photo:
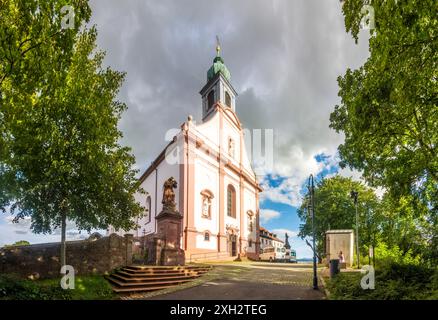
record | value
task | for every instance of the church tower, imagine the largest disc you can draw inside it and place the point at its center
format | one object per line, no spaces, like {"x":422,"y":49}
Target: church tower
{"x":218,"y":87}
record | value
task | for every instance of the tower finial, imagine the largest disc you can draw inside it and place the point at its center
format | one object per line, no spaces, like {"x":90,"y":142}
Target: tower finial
{"x":218,"y":46}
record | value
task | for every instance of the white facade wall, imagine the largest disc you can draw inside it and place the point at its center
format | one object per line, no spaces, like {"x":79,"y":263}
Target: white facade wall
{"x":153,"y":187}
{"x":206,"y":178}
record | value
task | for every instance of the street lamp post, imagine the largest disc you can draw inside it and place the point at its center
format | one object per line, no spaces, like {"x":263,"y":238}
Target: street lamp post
{"x":354,"y":195}
{"x":311,"y":188}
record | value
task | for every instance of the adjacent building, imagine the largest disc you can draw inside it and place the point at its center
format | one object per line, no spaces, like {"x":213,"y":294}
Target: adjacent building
{"x":269,"y":239}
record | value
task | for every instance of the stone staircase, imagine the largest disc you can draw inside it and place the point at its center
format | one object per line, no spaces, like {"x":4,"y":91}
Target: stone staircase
{"x":133,"y":279}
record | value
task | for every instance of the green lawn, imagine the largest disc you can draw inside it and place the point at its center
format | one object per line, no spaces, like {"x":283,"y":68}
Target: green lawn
{"x":86,"y":288}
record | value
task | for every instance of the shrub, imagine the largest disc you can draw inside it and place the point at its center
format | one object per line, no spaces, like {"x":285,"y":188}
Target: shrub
{"x":393,"y":281}
{"x":14,"y":288}
{"x":386,"y":255}
{"x":86,"y":288}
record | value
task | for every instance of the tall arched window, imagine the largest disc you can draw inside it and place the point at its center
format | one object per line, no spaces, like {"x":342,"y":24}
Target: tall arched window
{"x":210,"y":100}
{"x":231,"y":201}
{"x":148,"y":209}
{"x":227,"y":99}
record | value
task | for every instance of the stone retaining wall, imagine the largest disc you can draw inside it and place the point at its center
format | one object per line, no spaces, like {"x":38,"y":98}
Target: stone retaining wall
{"x":91,"y":256}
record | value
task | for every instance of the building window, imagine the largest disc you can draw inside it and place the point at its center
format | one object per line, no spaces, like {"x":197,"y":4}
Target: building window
{"x":250,"y":243}
{"x":207,"y":196}
{"x":210,"y":99}
{"x":231,"y":147}
{"x":148,"y":210}
{"x":227,"y":99}
{"x":206,"y":236}
{"x":231,"y":201}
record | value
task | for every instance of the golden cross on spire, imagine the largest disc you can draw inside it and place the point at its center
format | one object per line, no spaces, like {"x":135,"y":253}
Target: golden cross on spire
{"x":218,"y":46}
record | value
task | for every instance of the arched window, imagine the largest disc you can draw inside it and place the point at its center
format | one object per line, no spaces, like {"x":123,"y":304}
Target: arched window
{"x":231,"y":201}
{"x":210,"y":99}
{"x":147,"y":214}
{"x":207,"y":196}
{"x":227,"y":99}
{"x":206,"y":236}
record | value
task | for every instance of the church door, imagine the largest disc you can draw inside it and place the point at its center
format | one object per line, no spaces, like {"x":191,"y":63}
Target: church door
{"x":232,"y":245}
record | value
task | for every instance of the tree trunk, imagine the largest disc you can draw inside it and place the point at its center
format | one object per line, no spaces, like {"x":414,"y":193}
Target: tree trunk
{"x":63,"y":231}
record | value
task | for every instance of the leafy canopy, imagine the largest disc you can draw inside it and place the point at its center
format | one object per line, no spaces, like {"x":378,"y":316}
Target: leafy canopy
{"x":59,"y":146}
{"x":388,"y":109}
{"x":334,"y":209}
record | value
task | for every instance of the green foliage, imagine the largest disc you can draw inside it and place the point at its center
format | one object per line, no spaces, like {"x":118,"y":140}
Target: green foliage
{"x":14,"y":288}
{"x":404,"y":225}
{"x":59,"y":150}
{"x":18,"y":243}
{"x":334,"y":209}
{"x":388,"y":111}
{"x":393,"y":281}
{"x":386,"y":255}
{"x":34,"y":47}
{"x":86,"y":288}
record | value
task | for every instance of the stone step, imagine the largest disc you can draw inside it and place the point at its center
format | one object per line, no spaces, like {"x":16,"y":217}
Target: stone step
{"x":140,"y":289}
{"x":146,"y":284}
{"x":168,"y":267}
{"x":152,"y":274}
{"x":145,"y":272}
{"x":152,"y":278}
{"x":164,"y":269}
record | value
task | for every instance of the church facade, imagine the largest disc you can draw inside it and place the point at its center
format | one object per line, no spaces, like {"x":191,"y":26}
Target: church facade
{"x":217,"y":192}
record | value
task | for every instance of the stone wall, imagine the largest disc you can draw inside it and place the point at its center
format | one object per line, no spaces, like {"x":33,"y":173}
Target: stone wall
{"x":91,"y":256}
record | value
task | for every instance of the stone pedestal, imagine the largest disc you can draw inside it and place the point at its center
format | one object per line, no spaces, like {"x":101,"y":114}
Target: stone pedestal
{"x":128,"y":256}
{"x":169,"y":231}
{"x":154,"y":245}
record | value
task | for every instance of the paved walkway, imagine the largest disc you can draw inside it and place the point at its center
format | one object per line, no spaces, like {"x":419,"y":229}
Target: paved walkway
{"x":250,"y":280}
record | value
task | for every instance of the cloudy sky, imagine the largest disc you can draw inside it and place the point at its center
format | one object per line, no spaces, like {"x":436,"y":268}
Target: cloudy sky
{"x":284,"y":57}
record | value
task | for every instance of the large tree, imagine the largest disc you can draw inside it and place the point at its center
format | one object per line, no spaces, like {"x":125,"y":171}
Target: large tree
{"x":335,"y":209}
{"x":60,"y":157}
{"x":34,"y":41}
{"x":35,"y":50}
{"x":388,"y":109}
{"x":404,"y":223}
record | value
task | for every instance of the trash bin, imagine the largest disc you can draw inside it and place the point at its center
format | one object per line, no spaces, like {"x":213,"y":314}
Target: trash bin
{"x":334,"y":267}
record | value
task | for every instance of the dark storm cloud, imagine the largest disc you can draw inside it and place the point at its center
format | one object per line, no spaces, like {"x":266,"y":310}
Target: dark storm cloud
{"x":284,"y":57}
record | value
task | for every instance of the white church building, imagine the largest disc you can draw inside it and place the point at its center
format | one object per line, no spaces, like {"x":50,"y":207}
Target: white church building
{"x":217,"y":192}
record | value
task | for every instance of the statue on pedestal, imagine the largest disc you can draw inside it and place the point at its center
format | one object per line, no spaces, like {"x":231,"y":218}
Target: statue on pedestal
{"x":169,"y":195}
{"x":169,"y":229}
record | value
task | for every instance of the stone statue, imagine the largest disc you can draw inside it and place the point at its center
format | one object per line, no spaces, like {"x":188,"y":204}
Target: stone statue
{"x":169,"y":194}
{"x":286,"y":243}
